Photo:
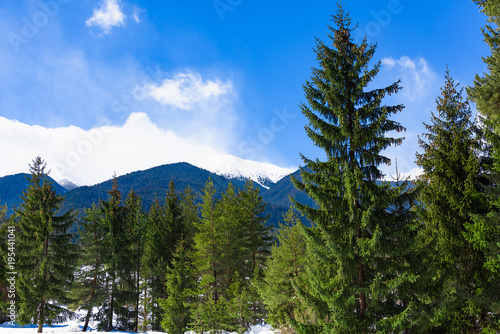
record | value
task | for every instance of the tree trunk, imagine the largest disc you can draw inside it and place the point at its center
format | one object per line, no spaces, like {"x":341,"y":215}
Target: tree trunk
{"x":144,"y":320}
{"x":138,"y":287}
{"x":41,"y":314}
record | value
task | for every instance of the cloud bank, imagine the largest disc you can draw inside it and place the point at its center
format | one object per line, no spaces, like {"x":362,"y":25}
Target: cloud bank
{"x":93,"y":156}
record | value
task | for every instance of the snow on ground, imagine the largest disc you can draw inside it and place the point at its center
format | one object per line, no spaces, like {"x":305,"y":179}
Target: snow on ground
{"x":76,"y":326}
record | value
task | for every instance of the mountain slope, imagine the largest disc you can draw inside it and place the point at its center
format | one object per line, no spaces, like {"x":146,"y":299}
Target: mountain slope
{"x":150,"y":185}
{"x":12,"y":187}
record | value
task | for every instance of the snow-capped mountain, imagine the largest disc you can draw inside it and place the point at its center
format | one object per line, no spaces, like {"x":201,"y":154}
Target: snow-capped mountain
{"x":230,"y":167}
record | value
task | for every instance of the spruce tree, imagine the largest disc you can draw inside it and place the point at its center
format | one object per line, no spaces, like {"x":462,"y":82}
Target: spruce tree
{"x":136,"y":222}
{"x":450,"y":194}
{"x":257,"y":241}
{"x":166,"y":228}
{"x":46,"y":253}
{"x":351,"y":237}
{"x":181,"y":285}
{"x":119,"y":265}
{"x":484,"y":234}
{"x":486,"y":90}
{"x":89,"y":290}
{"x":207,"y":261}
{"x":283,"y":267}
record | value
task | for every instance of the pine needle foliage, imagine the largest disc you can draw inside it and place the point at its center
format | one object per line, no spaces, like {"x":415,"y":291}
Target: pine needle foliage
{"x":46,"y":252}
{"x":352,"y":235}
{"x":450,"y":194}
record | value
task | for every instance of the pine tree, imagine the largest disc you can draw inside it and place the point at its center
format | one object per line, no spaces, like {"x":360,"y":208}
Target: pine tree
{"x":450,"y":194}
{"x":46,"y":253}
{"x":181,"y":285}
{"x":486,"y":90}
{"x":484,"y":234}
{"x":283,"y":267}
{"x":190,"y":215}
{"x":351,"y":237}
{"x":136,"y":221}
{"x":88,"y":291}
{"x":119,"y":265}
{"x":166,"y":227}
{"x":232,"y":232}
{"x":257,"y":234}
{"x":207,"y":257}
{"x":257,"y":240}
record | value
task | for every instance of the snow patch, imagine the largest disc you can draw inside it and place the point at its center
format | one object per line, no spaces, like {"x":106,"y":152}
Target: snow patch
{"x":230,"y":166}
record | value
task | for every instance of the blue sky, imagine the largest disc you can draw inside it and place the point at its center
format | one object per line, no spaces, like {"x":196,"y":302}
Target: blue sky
{"x":96,"y":86}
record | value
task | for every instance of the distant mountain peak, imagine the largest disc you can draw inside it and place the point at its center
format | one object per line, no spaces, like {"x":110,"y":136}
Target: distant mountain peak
{"x":232,"y":167}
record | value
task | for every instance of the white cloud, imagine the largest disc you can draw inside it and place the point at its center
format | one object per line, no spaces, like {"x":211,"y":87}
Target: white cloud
{"x":108,"y":16}
{"x":89,"y":157}
{"x":417,"y":77}
{"x":185,"y":90}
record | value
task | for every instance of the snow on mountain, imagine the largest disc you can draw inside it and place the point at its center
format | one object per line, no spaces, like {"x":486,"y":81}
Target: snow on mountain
{"x":230,"y":166}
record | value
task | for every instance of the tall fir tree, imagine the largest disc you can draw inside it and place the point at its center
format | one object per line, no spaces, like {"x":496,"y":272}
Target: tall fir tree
{"x":450,"y":194}
{"x":46,"y":253}
{"x":485,"y":232}
{"x":351,"y":236}
{"x":257,"y":239}
{"x":119,"y":265}
{"x":136,"y":223}
{"x":207,"y":261}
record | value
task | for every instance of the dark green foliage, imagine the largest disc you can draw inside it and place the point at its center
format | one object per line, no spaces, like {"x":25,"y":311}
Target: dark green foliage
{"x":450,"y":194}
{"x":166,"y":228}
{"x":46,"y":254}
{"x":181,"y":286}
{"x":230,"y":239}
{"x":257,"y":239}
{"x":136,"y":227}
{"x":119,"y":265}
{"x":89,"y":289}
{"x":486,"y":90}
{"x":150,"y":185}
{"x":484,"y":233}
{"x":358,"y":276}
{"x":283,"y":268}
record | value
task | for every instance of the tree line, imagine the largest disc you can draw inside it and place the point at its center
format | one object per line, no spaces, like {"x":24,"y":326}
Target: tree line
{"x":418,"y":256}
{"x":124,"y":269}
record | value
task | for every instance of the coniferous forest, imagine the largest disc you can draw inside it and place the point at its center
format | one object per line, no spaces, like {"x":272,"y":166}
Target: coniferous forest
{"x":407,"y":256}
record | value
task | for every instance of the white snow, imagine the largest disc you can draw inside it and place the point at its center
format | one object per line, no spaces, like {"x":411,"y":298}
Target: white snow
{"x":233,"y":167}
{"x":75,"y":327}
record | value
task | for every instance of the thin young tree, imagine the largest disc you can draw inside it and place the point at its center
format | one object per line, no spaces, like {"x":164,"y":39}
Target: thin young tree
{"x":88,"y":291}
